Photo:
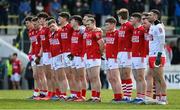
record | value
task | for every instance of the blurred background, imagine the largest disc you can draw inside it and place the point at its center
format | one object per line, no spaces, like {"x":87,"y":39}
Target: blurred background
{"x":14,"y":38}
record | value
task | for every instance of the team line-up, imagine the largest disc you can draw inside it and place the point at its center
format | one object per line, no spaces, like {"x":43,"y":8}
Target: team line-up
{"x":68,"y":52}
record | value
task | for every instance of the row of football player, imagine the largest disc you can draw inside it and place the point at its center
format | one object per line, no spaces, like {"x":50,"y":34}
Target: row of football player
{"x":70,"y":53}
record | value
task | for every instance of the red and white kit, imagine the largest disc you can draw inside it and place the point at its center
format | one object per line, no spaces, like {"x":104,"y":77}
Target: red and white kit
{"x":56,"y":50}
{"x":156,"y":43}
{"x":112,"y":49}
{"x":16,"y":67}
{"x":139,"y":48}
{"x":35,"y":45}
{"x":125,"y":44}
{"x":46,"y":55}
{"x":93,"y":49}
{"x":66,"y":33}
{"x":77,"y":50}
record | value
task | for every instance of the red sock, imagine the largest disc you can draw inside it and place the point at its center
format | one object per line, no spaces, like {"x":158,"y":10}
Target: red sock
{"x":36,"y":90}
{"x":64,"y":94}
{"x":118,"y":96}
{"x":98,"y":94}
{"x":79,"y":94}
{"x":84,"y":92}
{"x":128,"y":88}
{"x":53,"y":93}
{"x":93,"y":93}
{"x":124,"y":86}
{"x":50,"y":94}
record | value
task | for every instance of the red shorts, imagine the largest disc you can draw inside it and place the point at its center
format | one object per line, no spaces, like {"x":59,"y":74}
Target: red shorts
{"x":153,"y":59}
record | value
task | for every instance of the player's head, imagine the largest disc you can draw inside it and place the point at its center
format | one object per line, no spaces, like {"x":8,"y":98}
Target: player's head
{"x":28,"y":23}
{"x":42,"y":17}
{"x":144,"y":20}
{"x":110,"y":23}
{"x":63,"y":17}
{"x":135,"y":18}
{"x":52,"y":25}
{"x":35,"y":22}
{"x":154,"y":15}
{"x":14,"y":56}
{"x":76,"y":20}
{"x":86,"y":17}
{"x":48,"y":19}
{"x":91,"y":23}
{"x":123,"y":14}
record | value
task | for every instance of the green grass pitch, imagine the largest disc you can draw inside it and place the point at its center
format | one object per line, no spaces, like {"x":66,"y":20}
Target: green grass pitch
{"x":16,"y":100}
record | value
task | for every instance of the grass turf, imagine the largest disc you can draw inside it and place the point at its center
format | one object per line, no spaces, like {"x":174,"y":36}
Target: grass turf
{"x":16,"y":99}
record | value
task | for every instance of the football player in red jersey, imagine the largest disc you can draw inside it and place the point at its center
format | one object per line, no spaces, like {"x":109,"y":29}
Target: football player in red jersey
{"x":113,"y":73}
{"x":17,"y":69}
{"x":125,"y":54}
{"x":66,"y":34}
{"x":57,"y":60}
{"x":78,"y":63}
{"x":45,"y":55}
{"x":32,"y":55}
{"x":139,"y":53}
{"x":94,"y":50}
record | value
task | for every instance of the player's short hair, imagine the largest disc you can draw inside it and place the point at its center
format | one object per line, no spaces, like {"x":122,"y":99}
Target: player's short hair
{"x":42,"y":15}
{"x":34,"y":19}
{"x":65,"y":15}
{"x":28,"y":18}
{"x":90,"y":15}
{"x":92,"y":20}
{"x":15,"y":54}
{"x":77,"y":18}
{"x":136,"y":15}
{"x":124,"y":13}
{"x":49,"y":18}
{"x":51,"y":21}
{"x":157,"y":12}
{"x":111,"y":20}
{"x":146,"y":14}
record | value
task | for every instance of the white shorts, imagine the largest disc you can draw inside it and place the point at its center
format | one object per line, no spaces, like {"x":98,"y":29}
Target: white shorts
{"x":139,"y":62}
{"x":66,"y":61}
{"x":93,"y":62}
{"x":124,"y":59}
{"x":78,"y":62}
{"x":112,"y":63}
{"x":45,"y":59}
{"x":15,"y":77}
{"x":57,"y":62}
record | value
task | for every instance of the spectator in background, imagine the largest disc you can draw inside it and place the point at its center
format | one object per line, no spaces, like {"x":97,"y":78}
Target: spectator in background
{"x":14,"y":4}
{"x":137,"y":6}
{"x":108,"y":10}
{"x":122,"y":4}
{"x":8,"y":64}
{"x":176,"y":53}
{"x":24,"y":10}
{"x":97,"y":10}
{"x":2,"y":73}
{"x":177,"y":13}
{"x":55,"y":7}
{"x":4,"y":5}
{"x":29,"y":76}
{"x":86,"y":8}
{"x":78,"y":8}
{"x":156,"y":4}
{"x":169,"y":54}
{"x":171,"y":12}
{"x":64,"y":8}
{"x":17,"y":69}
{"x":39,"y":7}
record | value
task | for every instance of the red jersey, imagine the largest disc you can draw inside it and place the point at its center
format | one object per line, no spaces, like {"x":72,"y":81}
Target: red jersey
{"x":146,"y":34}
{"x":84,"y":40}
{"x":66,"y":33}
{"x":43,"y":34}
{"x":35,"y":41}
{"x":92,"y":46}
{"x":55,"y":43}
{"x":125,"y":35}
{"x":112,"y":44}
{"x":77,"y":43}
{"x":16,"y":65}
{"x":139,"y":48}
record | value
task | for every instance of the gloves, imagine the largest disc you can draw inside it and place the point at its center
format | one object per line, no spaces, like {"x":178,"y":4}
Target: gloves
{"x":70,"y":56}
{"x":158,"y":59}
